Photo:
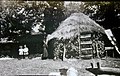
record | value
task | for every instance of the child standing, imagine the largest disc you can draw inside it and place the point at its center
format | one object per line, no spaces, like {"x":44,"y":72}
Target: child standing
{"x":20,"y":52}
{"x":25,"y":50}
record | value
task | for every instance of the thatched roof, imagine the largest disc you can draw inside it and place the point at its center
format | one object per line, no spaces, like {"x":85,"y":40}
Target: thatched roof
{"x":74,"y":25}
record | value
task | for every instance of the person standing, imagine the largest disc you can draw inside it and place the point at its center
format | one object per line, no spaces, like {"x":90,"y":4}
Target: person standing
{"x":25,"y":51}
{"x":45,"y":52}
{"x":20,"y":52}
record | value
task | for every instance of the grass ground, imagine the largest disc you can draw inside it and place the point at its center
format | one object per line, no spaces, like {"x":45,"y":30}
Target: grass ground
{"x":37,"y":66}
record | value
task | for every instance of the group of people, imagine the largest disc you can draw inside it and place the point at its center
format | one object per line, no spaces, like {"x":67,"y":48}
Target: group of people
{"x":23,"y":52}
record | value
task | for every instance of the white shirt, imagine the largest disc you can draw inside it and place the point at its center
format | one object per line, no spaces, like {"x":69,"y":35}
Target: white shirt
{"x":25,"y":50}
{"x":20,"y":51}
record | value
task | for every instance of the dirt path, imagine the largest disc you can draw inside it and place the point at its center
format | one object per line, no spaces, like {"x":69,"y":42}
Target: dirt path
{"x":38,"y":66}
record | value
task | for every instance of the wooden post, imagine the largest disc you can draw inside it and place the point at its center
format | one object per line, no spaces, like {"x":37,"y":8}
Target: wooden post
{"x":113,"y":54}
{"x":64,"y":52}
{"x":97,"y":49}
{"x":106,"y":54}
{"x":79,"y":46}
{"x":79,"y":41}
{"x":91,"y":65}
{"x":98,"y":65}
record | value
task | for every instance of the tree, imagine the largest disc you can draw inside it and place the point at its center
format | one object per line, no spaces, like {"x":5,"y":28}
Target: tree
{"x":105,"y":13}
{"x":21,"y":17}
{"x":72,"y":7}
{"x":53,"y":15}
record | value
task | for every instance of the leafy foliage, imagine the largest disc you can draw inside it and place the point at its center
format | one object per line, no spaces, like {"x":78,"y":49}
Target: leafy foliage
{"x":18,"y":18}
{"x":105,"y":13}
{"x":53,"y":16}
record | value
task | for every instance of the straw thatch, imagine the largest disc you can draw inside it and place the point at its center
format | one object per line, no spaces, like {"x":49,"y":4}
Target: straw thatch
{"x":66,"y":38}
{"x":74,"y":25}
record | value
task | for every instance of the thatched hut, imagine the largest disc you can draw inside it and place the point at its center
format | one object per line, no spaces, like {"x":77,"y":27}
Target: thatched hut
{"x":71,"y":32}
{"x":74,"y":25}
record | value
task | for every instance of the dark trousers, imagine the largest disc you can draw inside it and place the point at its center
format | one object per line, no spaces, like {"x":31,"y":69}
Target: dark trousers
{"x":21,"y":57}
{"x":26,"y":56}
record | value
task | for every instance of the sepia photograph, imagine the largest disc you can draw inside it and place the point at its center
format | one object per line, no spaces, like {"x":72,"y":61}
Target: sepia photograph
{"x":59,"y":38}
